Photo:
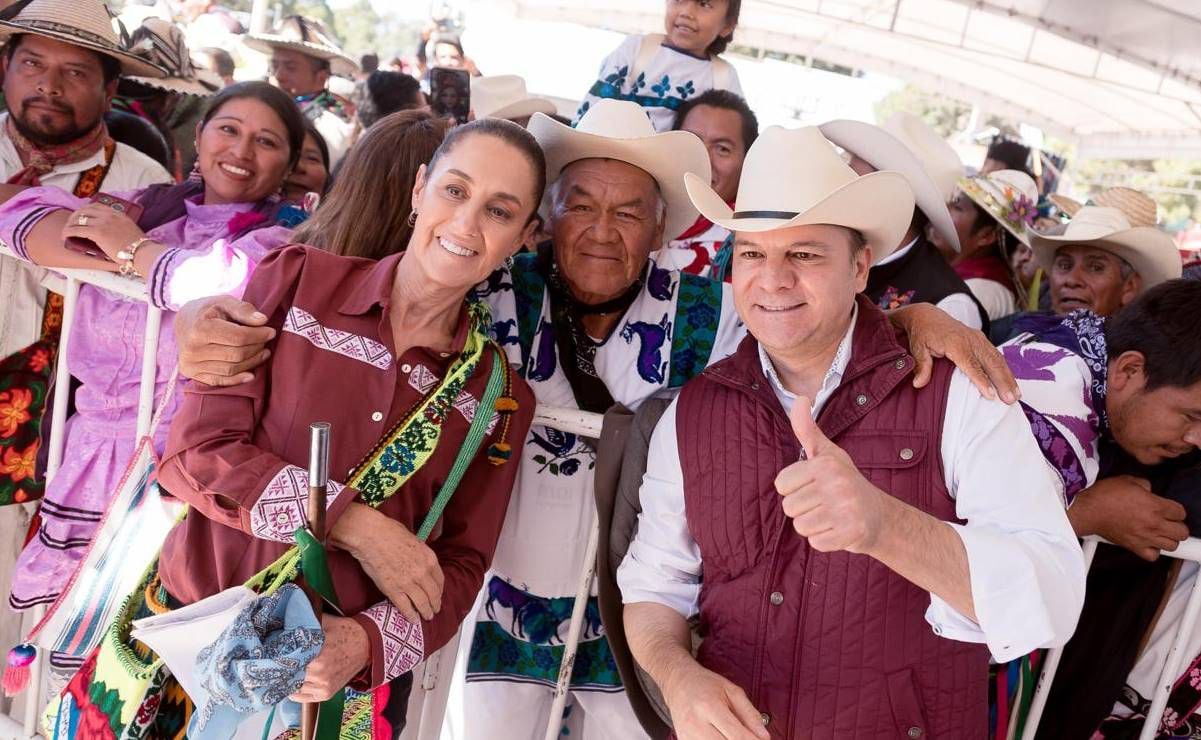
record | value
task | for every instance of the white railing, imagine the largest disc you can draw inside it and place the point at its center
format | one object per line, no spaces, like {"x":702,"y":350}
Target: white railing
{"x":67,"y":282}
{"x":1190,"y":550}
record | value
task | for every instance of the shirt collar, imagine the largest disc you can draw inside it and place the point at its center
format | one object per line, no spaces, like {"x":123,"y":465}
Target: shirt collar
{"x":899,"y":253}
{"x":376,"y":290}
{"x":833,"y":377}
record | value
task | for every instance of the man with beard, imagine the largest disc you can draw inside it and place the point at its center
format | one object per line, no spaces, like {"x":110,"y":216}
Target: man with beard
{"x":58,"y":84}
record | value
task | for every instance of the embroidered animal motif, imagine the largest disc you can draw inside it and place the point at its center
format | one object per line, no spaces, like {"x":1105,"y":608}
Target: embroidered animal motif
{"x":544,"y":358}
{"x":535,"y":619}
{"x":556,"y":442}
{"x":505,"y":332}
{"x":651,"y":365}
{"x":495,"y":283}
{"x":659,"y":284}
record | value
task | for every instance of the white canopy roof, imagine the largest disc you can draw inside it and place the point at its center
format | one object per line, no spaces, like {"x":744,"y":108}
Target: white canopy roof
{"x":1120,"y":78}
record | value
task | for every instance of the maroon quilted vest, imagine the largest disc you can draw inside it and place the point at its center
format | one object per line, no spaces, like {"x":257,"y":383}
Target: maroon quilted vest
{"x":826,"y":645}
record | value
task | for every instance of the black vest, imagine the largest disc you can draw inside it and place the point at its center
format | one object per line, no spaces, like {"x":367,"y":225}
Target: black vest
{"x":921,"y":276}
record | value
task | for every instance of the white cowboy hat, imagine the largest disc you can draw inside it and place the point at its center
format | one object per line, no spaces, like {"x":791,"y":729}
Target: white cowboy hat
{"x":619,"y":129}
{"x":307,"y":36}
{"x":939,"y":158}
{"x":83,"y":23}
{"x":162,"y":43}
{"x":1009,"y":197}
{"x":885,"y":151}
{"x":1151,"y":252}
{"x":505,"y":96}
{"x":793,"y":177}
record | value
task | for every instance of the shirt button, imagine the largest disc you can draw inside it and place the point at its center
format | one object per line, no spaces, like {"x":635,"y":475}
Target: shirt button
{"x":861,"y":400}
{"x":937,"y":629}
{"x":406,"y":368}
{"x":776,"y":598}
{"x":906,"y":454}
{"x":914,"y":732}
{"x":444,"y":354}
{"x":377,"y":416}
{"x":765,"y":718}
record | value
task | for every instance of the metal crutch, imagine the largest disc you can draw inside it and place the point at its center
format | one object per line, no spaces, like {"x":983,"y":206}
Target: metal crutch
{"x":318,"y":480}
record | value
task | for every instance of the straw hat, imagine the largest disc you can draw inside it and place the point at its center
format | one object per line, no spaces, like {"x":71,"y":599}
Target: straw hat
{"x":1010,"y":197}
{"x":83,"y":23}
{"x":1140,"y":209}
{"x":619,"y":129}
{"x":1151,"y":252}
{"x":162,"y":43}
{"x":307,"y":36}
{"x":505,"y":96}
{"x":939,"y":158}
{"x":772,"y":196}
{"x":884,"y":151}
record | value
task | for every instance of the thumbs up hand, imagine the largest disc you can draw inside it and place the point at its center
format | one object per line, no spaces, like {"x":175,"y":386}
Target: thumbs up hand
{"x":828,"y":499}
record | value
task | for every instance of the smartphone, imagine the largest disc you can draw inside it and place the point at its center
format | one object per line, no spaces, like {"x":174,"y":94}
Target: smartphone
{"x":89,"y":247}
{"x":450,"y":93}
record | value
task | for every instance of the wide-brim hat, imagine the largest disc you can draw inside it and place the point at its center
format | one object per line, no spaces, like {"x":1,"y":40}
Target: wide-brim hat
{"x":505,"y":96}
{"x":1151,"y":252}
{"x":884,"y":151}
{"x":162,"y":43}
{"x":1009,"y":197}
{"x":621,"y":130}
{"x":794,"y":177}
{"x":939,"y":158}
{"x":1139,"y":208}
{"x":307,"y":36}
{"x":83,"y":23}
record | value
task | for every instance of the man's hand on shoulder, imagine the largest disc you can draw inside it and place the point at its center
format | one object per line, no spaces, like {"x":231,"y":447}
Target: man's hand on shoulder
{"x":221,"y":340}
{"x":934,"y":333}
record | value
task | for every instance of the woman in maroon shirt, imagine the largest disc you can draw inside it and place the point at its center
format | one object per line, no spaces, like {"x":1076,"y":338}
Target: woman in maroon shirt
{"x":361,"y":344}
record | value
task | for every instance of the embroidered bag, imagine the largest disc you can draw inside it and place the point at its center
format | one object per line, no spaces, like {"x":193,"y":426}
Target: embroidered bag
{"x":131,"y":533}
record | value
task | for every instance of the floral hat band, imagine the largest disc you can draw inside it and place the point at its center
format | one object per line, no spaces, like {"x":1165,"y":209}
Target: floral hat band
{"x":1010,"y":197}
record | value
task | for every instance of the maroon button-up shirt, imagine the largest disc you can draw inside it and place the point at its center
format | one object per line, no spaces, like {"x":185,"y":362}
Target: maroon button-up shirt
{"x":239,"y":455}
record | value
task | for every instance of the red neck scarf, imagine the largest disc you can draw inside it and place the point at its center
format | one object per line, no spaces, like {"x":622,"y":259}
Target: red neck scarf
{"x":701,"y":226}
{"x":39,"y":160}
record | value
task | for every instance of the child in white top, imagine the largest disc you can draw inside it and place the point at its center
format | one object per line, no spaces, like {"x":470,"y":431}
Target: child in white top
{"x":661,"y":71}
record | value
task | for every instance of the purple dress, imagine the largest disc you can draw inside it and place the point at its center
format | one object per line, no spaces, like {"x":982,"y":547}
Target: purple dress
{"x":105,"y":355}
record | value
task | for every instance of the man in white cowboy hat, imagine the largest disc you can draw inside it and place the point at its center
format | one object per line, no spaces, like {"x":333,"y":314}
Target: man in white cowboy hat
{"x":505,"y":96}
{"x":591,"y":321}
{"x":993,"y":214}
{"x":303,"y":57}
{"x":916,"y":272}
{"x":821,"y":543}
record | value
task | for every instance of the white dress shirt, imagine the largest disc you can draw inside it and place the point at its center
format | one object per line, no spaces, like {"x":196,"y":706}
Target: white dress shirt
{"x":20,"y":284}
{"x":1027,"y":570}
{"x":960,"y":306}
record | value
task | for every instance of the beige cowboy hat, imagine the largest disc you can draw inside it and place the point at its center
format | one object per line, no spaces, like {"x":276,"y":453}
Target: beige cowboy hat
{"x":162,"y":43}
{"x":1009,"y":197}
{"x":884,"y":151}
{"x":794,"y":177}
{"x":1151,"y":252}
{"x":307,"y":36}
{"x":1140,"y":209}
{"x":83,"y":23}
{"x":619,"y":129}
{"x":505,"y":96}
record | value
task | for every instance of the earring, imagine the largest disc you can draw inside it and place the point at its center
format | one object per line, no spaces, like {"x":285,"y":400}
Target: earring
{"x":412,"y":219}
